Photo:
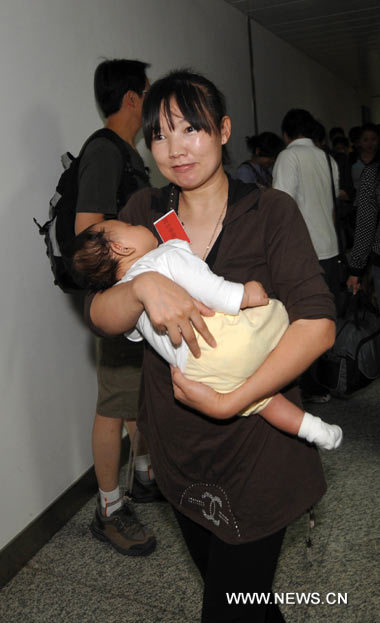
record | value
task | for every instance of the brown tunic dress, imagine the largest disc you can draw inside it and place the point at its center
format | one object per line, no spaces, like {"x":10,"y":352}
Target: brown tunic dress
{"x":240,"y":478}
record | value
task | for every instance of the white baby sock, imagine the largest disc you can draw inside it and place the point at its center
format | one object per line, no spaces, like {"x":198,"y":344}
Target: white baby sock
{"x":314,"y":430}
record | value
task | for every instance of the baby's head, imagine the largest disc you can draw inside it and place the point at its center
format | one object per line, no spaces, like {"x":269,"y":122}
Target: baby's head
{"x":102,"y":253}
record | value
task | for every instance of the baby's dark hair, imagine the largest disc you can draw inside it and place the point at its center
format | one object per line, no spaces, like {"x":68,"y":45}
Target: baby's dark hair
{"x":92,"y":264}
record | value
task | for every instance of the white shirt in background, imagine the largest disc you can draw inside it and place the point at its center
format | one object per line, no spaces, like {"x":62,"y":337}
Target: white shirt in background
{"x":302,"y":171}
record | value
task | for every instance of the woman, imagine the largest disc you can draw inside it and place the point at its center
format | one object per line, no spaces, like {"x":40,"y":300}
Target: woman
{"x":367,"y":235}
{"x":368,"y":151}
{"x":235,"y":484}
{"x":264,"y":150}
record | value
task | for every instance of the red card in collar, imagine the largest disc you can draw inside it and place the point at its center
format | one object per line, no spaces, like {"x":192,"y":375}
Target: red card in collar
{"x":170,"y":227}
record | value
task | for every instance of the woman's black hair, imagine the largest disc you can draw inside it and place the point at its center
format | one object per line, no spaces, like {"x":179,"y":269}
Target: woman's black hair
{"x":268,"y":144}
{"x":198,"y":99}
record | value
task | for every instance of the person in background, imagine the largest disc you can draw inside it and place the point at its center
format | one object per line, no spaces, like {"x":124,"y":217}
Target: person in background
{"x":368,"y":151}
{"x":354,"y":136}
{"x":302,"y":171}
{"x":339,"y":152}
{"x":334,"y":133}
{"x":264,"y":150}
{"x":340,"y":145}
{"x":345,"y":210}
{"x":104,"y":186}
{"x":366,"y":249}
{"x":319,"y":136}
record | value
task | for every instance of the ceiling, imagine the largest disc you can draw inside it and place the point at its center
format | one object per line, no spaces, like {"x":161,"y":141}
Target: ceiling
{"x":343,"y":35}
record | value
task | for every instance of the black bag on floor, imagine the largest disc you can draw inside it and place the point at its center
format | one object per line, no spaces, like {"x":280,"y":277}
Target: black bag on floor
{"x":354,"y":360}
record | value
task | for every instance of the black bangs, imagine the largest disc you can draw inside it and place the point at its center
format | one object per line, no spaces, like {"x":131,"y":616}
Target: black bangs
{"x":201,"y":104}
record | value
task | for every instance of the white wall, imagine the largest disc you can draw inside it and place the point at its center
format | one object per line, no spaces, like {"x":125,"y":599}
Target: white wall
{"x":48,"y":53}
{"x":286,"y":78}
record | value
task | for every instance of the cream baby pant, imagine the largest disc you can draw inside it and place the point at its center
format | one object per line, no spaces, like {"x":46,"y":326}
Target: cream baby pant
{"x":243,"y":342}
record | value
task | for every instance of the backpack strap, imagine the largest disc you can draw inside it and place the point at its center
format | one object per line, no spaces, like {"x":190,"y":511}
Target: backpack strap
{"x":335,"y":204}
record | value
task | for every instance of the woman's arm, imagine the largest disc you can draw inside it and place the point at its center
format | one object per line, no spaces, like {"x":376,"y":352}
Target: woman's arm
{"x":302,"y":343}
{"x":169,"y":307}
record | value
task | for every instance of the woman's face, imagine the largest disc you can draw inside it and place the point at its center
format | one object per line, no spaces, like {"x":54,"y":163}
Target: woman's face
{"x":369,"y":142}
{"x":187,"y":157}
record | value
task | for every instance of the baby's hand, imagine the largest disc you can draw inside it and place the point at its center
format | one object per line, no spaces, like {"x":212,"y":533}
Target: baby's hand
{"x":254,"y":295}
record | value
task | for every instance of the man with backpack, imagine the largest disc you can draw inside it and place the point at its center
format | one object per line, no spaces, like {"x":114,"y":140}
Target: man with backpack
{"x":110,"y":170}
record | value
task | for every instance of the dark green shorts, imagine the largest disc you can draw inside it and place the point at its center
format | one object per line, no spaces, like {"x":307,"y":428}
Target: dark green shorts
{"x":118,"y":365}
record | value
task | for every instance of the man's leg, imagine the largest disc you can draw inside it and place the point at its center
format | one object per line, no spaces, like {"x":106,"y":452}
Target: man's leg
{"x":119,"y":365}
{"x":115,"y":520}
{"x":106,"y":448}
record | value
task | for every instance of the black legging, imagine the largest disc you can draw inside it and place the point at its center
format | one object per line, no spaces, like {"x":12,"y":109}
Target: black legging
{"x":245,"y":568}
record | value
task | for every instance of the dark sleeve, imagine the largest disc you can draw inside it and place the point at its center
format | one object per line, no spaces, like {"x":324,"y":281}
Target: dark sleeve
{"x":297,"y":276}
{"x":99,"y":176}
{"x":366,"y":221}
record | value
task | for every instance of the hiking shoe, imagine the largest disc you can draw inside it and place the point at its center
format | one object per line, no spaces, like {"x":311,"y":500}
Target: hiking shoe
{"x":123,"y":531}
{"x":143,"y":493}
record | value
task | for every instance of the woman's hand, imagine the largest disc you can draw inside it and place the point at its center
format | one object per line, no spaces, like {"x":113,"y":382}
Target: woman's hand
{"x":200,"y":397}
{"x":172,"y":310}
{"x":353,"y":284}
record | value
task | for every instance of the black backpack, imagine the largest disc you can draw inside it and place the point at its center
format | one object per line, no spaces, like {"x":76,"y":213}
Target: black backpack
{"x":59,"y":230}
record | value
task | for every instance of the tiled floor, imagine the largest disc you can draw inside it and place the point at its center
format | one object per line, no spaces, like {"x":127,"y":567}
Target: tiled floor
{"x":76,"y":579}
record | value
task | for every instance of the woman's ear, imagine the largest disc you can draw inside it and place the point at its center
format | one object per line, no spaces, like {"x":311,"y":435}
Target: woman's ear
{"x":119,"y":249}
{"x":225,"y":129}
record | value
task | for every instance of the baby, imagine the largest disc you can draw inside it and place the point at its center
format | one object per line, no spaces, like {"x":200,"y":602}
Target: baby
{"x":247,"y":325}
